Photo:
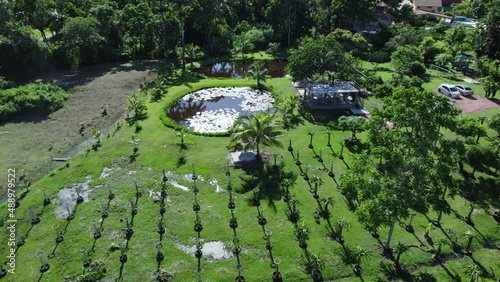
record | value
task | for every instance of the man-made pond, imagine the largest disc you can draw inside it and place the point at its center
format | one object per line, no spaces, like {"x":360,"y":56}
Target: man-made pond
{"x":239,"y":69}
{"x":215,"y":109}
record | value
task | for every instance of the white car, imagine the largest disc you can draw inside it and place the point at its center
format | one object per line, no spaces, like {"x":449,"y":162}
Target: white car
{"x":465,"y":90}
{"x":449,"y":90}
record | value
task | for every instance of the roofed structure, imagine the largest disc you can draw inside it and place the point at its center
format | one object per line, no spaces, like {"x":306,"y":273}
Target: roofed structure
{"x":334,"y":95}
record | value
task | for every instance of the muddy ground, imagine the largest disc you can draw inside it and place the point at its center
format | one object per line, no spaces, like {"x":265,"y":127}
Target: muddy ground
{"x":31,"y":142}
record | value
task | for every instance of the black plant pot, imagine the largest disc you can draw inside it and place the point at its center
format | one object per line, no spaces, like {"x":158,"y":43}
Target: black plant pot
{"x":196,"y":208}
{"x":161,"y":230}
{"x":162,"y":211}
{"x":198,"y":227}
{"x":277,"y":277}
{"x":286,"y":198}
{"x":17,"y":204}
{"x":256,"y":203}
{"x":269,"y":246}
{"x":70,"y":217}
{"x":290,"y":149}
{"x":97,"y":235}
{"x":357,"y":270}
{"x":87,"y":263}
{"x":128,"y":233}
{"x":231,"y":205}
{"x":375,"y":234}
{"x":409,"y":229}
{"x":3,"y":272}
{"x":111,"y":196}
{"x":428,"y":239}
{"x":159,"y":256}
{"x":341,"y":157}
{"x":310,"y":146}
{"x":306,"y":177}
{"x":317,"y":276}
{"x":44,"y":268}
{"x":35,"y":220}
{"x":262,"y":221}
{"x":320,"y":159}
{"x":297,"y":162}
{"x":339,"y":239}
{"x":79,"y":200}
{"x":163,"y":194}
{"x":239,"y":278}
{"x":233,"y":224}
{"x":134,"y":212}
{"x":496,"y":216}
{"x":123,"y":258}
{"x":303,"y":245}
{"x":436,"y":223}
{"x":331,"y":174}
{"x":469,"y":221}
{"x":46,"y":201}
{"x":198,"y":254}
{"x":59,"y":239}
{"x":104,"y":214}
{"x":315,"y":196}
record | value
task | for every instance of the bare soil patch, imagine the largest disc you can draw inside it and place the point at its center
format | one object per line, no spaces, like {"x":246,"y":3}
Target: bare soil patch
{"x":30,"y":142}
{"x":473,"y":103}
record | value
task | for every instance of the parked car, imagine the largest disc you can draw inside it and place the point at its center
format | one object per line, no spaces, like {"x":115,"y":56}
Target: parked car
{"x":449,"y":90}
{"x":465,"y":90}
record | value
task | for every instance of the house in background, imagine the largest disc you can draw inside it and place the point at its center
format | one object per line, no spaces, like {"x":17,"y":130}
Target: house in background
{"x":433,"y":6}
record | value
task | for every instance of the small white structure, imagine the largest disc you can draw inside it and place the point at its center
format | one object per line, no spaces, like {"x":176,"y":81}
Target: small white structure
{"x":238,"y":159}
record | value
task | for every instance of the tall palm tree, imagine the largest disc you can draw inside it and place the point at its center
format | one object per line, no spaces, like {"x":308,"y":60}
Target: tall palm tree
{"x":259,"y":73}
{"x":256,"y":129}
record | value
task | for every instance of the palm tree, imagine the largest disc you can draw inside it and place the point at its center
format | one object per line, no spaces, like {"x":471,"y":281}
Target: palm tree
{"x":259,"y":73}
{"x":256,"y":129}
{"x":137,"y":103}
{"x":193,"y":53}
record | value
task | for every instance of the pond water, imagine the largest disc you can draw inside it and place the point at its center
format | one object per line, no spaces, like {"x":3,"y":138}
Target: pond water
{"x":239,"y":69}
{"x":215,"y":109}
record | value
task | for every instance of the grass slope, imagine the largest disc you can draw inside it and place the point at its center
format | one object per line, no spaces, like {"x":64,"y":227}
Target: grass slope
{"x":159,"y":149}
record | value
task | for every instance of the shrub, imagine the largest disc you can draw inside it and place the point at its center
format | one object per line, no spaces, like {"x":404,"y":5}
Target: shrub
{"x":39,"y":97}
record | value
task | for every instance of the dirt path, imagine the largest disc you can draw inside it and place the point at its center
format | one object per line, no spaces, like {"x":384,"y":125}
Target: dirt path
{"x":30,"y":143}
{"x":473,"y":103}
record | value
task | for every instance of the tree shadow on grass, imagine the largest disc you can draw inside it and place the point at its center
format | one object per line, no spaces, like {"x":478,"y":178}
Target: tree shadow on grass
{"x":268,"y":179}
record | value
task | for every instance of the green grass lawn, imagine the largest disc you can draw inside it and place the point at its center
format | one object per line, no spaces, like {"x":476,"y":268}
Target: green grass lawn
{"x":160,"y":148}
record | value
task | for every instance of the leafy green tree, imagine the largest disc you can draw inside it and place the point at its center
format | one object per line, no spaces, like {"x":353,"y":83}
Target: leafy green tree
{"x":319,"y":56}
{"x":259,"y":73}
{"x":256,"y":130}
{"x":81,"y":40}
{"x":242,"y":45}
{"x":287,"y":19}
{"x":354,"y":124}
{"x":139,"y":31}
{"x":488,"y":43}
{"x":470,"y":127}
{"x":405,"y":168}
{"x":406,"y":57}
{"x":455,"y":39}
{"x":346,"y":13}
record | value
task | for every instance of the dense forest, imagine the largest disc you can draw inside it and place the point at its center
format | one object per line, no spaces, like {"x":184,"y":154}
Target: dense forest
{"x":40,"y":35}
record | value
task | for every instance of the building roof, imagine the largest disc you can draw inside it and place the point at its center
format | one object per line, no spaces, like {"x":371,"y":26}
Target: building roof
{"x":428,"y":3}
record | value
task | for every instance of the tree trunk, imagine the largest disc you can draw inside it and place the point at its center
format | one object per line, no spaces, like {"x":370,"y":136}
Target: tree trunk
{"x":389,"y":236}
{"x":183,"y":43}
{"x":164,"y":34}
